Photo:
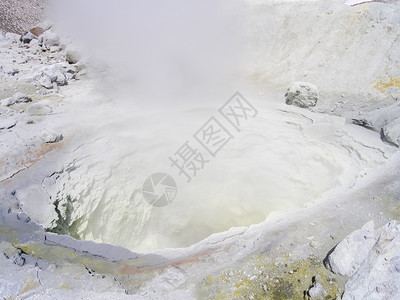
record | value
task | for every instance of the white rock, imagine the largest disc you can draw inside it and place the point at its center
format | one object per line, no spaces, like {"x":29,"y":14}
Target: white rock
{"x":386,"y":121}
{"x":8,"y":101}
{"x":21,"y":97}
{"x":46,"y":82}
{"x":34,"y":44}
{"x":49,"y":136}
{"x":302,"y":94}
{"x":69,"y":76}
{"x":72,"y":55}
{"x":59,"y":73}
{"x":49,"y":39}
{"x":68,"y":68}
{"x":9,"y":70}
{"x":54,"y":49}
{"x":317,"y":291}
{"x":12,"y":253}
{"x":60,"y":78}
{"x":17,"y":98}
{"x":13,"y":37}
{"x":352,"y":251}
{"x":391,"y":132}
{"x":7,"y":123}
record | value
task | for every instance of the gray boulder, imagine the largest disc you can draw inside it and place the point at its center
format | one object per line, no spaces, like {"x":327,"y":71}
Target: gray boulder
{"x":302,"y":94}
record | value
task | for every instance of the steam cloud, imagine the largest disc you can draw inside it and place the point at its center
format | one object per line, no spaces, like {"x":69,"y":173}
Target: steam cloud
{"x":159,"y":49}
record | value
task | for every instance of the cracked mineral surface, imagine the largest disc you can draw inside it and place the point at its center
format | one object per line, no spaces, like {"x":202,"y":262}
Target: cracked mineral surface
{"x":296,"y":198}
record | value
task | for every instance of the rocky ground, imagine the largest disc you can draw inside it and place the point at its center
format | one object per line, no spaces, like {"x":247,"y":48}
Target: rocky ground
{"x":343,"y":244}
{"x":19,"y":16}
{"x":33,"y":71}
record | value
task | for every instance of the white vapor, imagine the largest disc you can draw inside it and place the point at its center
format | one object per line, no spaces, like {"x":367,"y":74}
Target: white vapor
{"x":159,"y":49}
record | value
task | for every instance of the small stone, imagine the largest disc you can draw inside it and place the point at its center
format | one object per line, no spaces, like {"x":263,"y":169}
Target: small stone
{"x":21,"y":97}
{"x":54,"y":49}
{"x":265,"y":287}
{"x":28,"y":37}
{"x":45,"y":81}
{"x":380,"y":268}
{"x":50,"y":136}
{"x":49,"y":39}
{"x":71,"y":55}
{"x":9,"y":70}
{"x":7,"y":124}
{"x":23,"y":217}
{"x":316,"y":291}
{"x":34,"y":45}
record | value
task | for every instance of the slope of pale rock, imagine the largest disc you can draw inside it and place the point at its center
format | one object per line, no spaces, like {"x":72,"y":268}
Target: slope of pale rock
{"x":18,"y":16}
{"x":276,"y":258}
{"x":350,"y":53}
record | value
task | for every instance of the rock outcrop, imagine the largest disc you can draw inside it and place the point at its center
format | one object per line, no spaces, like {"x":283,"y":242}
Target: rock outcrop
{"x":371,"y":258}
